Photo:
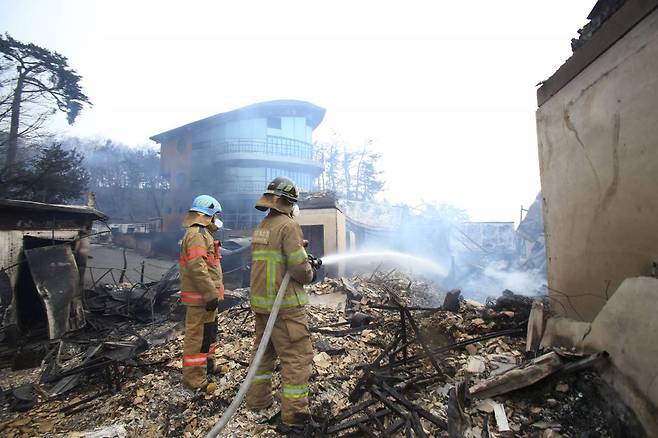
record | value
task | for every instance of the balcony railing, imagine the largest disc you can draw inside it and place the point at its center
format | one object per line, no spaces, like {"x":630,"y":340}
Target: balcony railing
{"x":244,"y":187}
{"x":273,"y":145}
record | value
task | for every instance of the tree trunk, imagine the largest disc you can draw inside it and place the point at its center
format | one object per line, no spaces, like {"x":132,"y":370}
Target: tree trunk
{"x":12,"y":145}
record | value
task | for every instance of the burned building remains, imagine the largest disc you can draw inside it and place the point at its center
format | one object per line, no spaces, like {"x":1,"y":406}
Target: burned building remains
{"x":43,"y":255}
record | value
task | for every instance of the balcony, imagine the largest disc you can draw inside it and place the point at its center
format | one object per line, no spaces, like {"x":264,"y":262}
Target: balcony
{"x":272,"y":152}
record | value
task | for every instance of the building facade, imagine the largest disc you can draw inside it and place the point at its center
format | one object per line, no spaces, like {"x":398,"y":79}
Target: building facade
{"x":233,"y":156}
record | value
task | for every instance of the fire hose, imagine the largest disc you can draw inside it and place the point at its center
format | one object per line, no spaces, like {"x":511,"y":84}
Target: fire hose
{"x":253,"y":368}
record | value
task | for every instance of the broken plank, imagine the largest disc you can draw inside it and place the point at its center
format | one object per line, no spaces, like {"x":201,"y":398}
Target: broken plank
{"x":501,"y":418}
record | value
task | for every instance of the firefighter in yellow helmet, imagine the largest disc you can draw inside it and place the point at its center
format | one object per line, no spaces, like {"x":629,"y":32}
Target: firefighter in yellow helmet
{"x":278,"y":247}
{"x":201,"y":289}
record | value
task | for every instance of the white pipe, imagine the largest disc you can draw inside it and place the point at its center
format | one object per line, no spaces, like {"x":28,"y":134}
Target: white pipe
{"x":253,"y":368}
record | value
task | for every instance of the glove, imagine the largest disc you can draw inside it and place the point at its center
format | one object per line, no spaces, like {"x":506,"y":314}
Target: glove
{"x":314,"y":262}
{"x":211,"y":305}
{"x":315,"y":265}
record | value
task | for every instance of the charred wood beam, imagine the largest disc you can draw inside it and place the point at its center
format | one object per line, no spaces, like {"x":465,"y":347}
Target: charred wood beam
{"x":359,"y":389}
{"x":373,"y":419}
{"x":365,"y":431}
{"x":412,"y":308}
{"x":423,"y":342}
{"x":355,"y":422}
{"x":394,"y":427}
{"x":587,"y":362}
{"x":457,"y":420}
{"x":402,"y":347}
{"x":439,"y":422}
{"x":461,"y":344}
{"x":411,"y":417}
{"x":384,"y":377}
{"x":355,"y":409}
{"x":420,"y":381}
{"x":417,"y":426}
{"x":388,"y":403}
{"x":72,"y":408}
{"x":335,"y":324}
{"x":345,"y":332}
{"x":125,"y":266}
{"x":414,"y":326}
{"x":403,"y":324}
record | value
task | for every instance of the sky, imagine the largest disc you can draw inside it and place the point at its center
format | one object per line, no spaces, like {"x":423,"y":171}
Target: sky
{"x":446,"y":91}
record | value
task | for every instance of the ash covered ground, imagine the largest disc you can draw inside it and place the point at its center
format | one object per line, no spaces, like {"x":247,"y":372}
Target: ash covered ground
{"x":151,"y":401}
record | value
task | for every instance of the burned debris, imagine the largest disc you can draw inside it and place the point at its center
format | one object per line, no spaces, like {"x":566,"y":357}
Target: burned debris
{"x":388,"y":361}
{"x":391,"y":394}
{"x":145,"y":302}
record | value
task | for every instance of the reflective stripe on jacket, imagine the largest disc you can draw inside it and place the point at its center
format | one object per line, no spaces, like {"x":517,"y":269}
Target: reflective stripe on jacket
{"x":200,"y":270}
{"x":277,"y":247}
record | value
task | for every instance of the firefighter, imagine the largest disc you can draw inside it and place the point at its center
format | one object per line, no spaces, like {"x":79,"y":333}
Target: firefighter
{"x":201,"y":289}
{"x":278,"y":247}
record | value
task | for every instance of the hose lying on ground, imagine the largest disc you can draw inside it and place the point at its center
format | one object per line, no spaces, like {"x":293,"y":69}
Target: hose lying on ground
{"x":253,"y":368}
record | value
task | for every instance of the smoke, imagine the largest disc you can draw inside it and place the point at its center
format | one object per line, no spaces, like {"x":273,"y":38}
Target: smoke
{"x":481,"y":259}
{"x":494,"y":278}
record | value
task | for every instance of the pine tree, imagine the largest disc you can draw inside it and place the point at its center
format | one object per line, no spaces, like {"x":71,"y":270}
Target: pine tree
{"x":55,"y":175}
{"x":37,"y":78}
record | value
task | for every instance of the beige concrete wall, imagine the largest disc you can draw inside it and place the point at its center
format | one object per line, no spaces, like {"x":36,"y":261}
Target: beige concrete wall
{"x":598,"y":153}
{"x":625,"y":328}
{"x":335,"y":230}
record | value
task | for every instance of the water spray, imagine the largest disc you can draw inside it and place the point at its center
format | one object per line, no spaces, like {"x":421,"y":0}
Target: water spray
{"x":396,"y":257}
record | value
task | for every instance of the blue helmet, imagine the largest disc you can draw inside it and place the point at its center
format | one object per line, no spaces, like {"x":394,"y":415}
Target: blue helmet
{"x":206,"y":204}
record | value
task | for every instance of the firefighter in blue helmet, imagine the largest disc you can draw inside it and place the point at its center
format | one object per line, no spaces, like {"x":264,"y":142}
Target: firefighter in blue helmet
{"x":201,"y":288}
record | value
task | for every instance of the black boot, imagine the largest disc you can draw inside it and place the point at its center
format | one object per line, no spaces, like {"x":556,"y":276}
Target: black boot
{"x":212,"y":369}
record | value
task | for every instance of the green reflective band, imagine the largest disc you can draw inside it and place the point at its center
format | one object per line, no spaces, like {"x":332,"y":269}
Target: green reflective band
{"x":267,"y":254}
{"x":297,"y":257}
{"x":295,"y":391}
{"x":271,"y":257}
{"x":266,"y":302}
{"x":263,"y":377}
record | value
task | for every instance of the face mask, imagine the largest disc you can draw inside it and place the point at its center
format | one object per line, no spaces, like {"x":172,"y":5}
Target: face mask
{"x":295,"y":210}
{"x":218,"y":223}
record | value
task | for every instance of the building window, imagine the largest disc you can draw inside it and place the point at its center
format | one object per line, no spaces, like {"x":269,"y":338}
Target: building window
{"x":274,"y":122}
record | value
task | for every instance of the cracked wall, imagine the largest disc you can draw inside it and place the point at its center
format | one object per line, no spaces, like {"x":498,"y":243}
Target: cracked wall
{"x":598,"y":154}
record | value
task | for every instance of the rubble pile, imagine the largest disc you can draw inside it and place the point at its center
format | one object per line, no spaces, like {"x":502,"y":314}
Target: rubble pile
{"x":386,"y":363}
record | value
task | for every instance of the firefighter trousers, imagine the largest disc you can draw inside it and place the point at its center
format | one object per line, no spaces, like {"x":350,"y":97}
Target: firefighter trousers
{"x":291,"y":342}
{"x":199,"y":346}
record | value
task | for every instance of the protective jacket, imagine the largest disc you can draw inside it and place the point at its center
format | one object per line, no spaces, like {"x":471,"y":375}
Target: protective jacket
{"x":200,"y":270}
{"x":277,"y":247}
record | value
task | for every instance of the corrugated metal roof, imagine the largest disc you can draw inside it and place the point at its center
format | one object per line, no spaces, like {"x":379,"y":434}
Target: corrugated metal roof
{"x":40,"y":206}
